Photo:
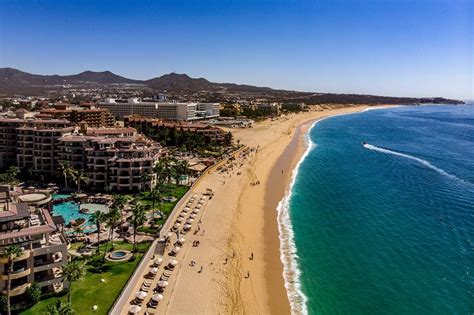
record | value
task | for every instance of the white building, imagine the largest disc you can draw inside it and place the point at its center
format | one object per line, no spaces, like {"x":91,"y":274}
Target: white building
{"x":162,"y":110}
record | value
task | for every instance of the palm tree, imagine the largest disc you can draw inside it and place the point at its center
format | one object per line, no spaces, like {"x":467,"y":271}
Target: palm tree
{"x":138,"y":218}
{"x":155,"y":196}
{"x":78,"y":230}
{"x":113,"y":217}
{"x":73,"y":271}
{"x":65,"y":169}
{"x":80,"y":177}
{"x":144,"y":177}
{"x":11,"y":253}
{"x":97,"y":218}
{"x":58,"y":308}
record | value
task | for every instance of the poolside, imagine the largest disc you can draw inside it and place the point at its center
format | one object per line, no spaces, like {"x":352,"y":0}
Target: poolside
{"x":70,"y":212}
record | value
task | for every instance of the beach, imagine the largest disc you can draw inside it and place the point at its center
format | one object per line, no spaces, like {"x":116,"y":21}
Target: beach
{"x":237,"y":263}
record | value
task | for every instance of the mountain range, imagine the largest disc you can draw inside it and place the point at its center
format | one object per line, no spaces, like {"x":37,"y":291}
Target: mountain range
{"x":17,"y":82}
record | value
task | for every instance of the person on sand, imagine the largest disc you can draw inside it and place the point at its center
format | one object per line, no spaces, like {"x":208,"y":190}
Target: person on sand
{"x":225,"y":263}
{"x":200,"y":270}
{"x":248,"y":275}
{"x":251,"y":256}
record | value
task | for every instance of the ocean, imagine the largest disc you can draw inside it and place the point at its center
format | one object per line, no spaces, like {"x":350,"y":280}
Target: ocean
{"x":385,"y":227}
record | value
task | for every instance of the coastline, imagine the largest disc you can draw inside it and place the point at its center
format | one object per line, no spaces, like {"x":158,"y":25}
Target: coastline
{"x":240,"y":249}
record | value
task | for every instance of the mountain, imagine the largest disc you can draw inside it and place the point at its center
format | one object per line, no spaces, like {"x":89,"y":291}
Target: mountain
{"x":13,"y":80}
{"x":16,"y":82}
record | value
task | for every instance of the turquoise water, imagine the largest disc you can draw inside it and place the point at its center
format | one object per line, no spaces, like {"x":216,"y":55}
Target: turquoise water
{"x":387,"y":228}
{"x":70,"y":211}
{"x":60,"y":196}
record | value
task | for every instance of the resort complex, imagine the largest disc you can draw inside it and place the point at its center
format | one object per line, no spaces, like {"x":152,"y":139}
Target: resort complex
{"x":163,"y":110}
{"x":42,"y":247}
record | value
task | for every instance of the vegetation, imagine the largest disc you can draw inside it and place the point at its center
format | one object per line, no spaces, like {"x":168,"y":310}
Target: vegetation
{"x":33,"y":293}
{"x":66,"y":170}
{"x":89,"y":290}
{"x":11,"y":253}
{"x":79,"y":177}
{"x":73,"y":271}
{"x":10,"y":176}
{"x":138,"y":218}
{"x":97,"y":218}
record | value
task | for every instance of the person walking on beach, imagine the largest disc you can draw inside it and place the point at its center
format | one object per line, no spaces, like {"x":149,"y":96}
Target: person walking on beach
{"x":251,"y":256}
{"x":200,"y":270}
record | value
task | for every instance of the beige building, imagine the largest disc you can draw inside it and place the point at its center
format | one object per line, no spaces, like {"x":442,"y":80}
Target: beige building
{"x":162,"y":110}
{"x":43,"y":244}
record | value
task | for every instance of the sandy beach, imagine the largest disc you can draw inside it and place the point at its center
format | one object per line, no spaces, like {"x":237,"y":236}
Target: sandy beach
{"x":237,"y":263}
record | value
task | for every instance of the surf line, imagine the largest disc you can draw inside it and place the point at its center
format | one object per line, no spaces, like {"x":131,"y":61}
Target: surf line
{"x":416,"y":159}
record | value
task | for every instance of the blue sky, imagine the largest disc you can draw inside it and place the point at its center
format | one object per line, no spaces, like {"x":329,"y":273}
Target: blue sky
{"x":402,"y":48}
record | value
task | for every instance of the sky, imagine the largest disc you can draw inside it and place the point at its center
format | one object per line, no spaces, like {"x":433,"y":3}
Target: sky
{"x":397,"y":48}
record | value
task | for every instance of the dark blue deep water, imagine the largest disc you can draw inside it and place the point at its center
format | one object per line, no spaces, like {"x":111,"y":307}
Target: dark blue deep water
{"x":388,"y":228}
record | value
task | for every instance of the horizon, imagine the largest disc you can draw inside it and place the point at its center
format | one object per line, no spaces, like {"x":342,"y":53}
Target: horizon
{"x":160,"y":75}
{"x":356,"y":47}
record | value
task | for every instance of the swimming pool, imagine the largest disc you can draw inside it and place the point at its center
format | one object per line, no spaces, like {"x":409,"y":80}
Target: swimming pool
{"x":60,"y":196}
{"x":70,"y":211}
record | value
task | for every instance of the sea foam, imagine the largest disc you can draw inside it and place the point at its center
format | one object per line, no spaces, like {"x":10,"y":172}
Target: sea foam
{"x":414,"y":158}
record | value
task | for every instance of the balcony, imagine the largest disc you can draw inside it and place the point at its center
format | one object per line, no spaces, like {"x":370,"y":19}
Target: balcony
{"x":16,"y":274}
{"x":26,"y":254}
{"x":17,"y":290}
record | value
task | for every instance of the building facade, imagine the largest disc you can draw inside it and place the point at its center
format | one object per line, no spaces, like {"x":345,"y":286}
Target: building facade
{"x":44,"y":249}
{"x":163,"y":110}
{"x":94,"y":117}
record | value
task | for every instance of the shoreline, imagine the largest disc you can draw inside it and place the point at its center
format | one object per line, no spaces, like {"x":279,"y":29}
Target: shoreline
{"x":240,"y":240}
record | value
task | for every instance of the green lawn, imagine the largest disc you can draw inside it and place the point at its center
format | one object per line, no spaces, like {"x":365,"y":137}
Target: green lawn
{"x":91,"y":291}
{"x":176,"y":191}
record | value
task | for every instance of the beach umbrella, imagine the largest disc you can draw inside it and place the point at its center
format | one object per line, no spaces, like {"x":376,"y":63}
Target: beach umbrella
{"x":193,"y":216}
{"x":186,"y":209}
{"x":158,"y":261}
{"x":176,"y":225}
{"x":154,"y":271}
{"x":182,"y":215}
{"x":134,"y":309}
{"x":198,"y":206}
{"x":196,"y":211}
{"x":176,"y":249}
{"x":173,"y":263}
{"x":189,"y":221}
{"x":157,"y":297}
{"x":162,"y":284}
{"x":179,"y":219}
{"x":169,"y":234}
{"x":181,"y":240}
{"x":141,"y":295}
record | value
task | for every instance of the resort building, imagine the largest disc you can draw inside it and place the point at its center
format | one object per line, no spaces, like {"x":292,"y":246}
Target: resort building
{"x":113,"y":158}
{"x":162,"y":110}
{"x":31,"y":143}
{"x":147,"y":125}
{"x":112,"y":162}
{"x":44,"y":248}
{"x":94,"y":117}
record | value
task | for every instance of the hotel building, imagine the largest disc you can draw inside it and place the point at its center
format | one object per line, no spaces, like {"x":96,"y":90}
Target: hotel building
{"x":162,"y":110}
{"x":94,"y":117}
{"x":44,"y":248}
{"x":144,"y":123}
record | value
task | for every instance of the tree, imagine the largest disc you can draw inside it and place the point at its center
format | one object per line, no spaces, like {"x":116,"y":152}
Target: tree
{"x":33,"y":293}
{"x":113,"y":217}
{"x":97,"y":218}
{"x":144,"y":177}
{"x":155,"y":196}
{"x":73,"y":271}
{"x":66,"y":170}
{"x":10,"y":175}
{"x":78,"y":230}
{"x":11,"y":253}
{"x":58,"y":308}
{"x":138,"y":218}
{"x":80,"y":177}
